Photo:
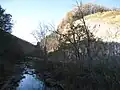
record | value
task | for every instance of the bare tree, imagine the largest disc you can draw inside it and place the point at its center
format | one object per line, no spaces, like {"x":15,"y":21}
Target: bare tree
{"x":87,"y":32}
{"x":40,"y":35}
{"x":77,"y":35}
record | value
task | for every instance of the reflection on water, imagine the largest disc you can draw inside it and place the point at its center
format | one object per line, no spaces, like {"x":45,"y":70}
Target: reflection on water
{"x":30,"y":82}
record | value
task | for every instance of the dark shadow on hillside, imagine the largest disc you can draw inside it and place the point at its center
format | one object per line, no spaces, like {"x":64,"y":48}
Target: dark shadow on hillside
{"x":12,"y":52}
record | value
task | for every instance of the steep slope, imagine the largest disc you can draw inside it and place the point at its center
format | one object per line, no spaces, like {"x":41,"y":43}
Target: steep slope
{"x":105,"y":25}
{"x":101,"y":21}
{"x":86,"y":9}
{"x":25,"y":46}
{"x":12,"y":46}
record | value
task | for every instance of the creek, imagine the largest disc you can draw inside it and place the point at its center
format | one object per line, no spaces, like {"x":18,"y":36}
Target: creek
{"x":31,"y":82}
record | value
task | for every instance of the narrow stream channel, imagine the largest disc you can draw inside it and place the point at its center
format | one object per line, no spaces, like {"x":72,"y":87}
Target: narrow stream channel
{"x":31,"y":82}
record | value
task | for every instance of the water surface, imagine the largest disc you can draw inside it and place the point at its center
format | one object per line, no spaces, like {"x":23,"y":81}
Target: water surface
{"x":30,"y":82}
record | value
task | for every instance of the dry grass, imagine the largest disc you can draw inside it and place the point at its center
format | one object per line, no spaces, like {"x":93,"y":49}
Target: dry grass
{"x":112,"y":17}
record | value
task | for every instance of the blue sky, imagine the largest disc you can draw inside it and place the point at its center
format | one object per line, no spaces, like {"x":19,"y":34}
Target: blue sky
{"x":28,"y":13}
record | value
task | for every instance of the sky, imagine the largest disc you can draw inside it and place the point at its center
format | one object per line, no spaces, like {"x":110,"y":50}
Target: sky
{"x":27,"y":14}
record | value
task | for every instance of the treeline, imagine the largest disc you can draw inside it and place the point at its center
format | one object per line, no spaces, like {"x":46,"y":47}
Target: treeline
{"x":88,"y":9}
{"x":5,"y":20}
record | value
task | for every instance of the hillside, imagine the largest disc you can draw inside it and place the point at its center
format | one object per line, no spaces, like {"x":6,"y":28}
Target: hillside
{"x":13,"y":46}
{"x":101,"y":21}
{"x":105,"y":25}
